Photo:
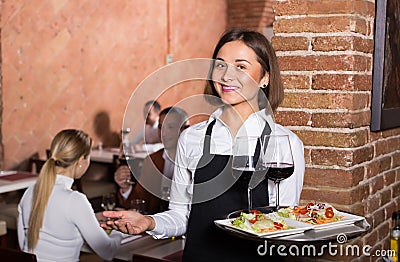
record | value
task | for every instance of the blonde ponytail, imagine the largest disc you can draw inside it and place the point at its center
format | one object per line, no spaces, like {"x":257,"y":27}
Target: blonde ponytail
{"x":44,"y":186}
{"x":66,"y":149}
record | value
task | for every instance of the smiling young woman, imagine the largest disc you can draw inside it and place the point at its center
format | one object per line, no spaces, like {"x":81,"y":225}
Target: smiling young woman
{"x":251,"y":45}
{"x":244,"y":82}
{"x":233,"y":75}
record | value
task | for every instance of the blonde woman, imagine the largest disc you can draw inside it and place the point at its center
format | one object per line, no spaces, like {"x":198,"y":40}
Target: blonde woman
{"x":54,"y":220}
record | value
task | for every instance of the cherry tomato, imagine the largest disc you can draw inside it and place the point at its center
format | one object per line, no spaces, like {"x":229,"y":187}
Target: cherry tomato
{"x":329,"y":212}
{"x":303,"y":211}
{"x":253,"y":220}
{"x":278,"y":225}
{"x":254,"y":211}
{"x":309,"y":205}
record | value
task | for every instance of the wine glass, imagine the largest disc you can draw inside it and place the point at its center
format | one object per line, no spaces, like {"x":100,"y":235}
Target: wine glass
{"x":108,"y":201}
{"x":126,"y":155}
{"x":278,"y":159}
{"x":247,"y":164}
{"x":128,"y":160}
{"x":138,"y":205}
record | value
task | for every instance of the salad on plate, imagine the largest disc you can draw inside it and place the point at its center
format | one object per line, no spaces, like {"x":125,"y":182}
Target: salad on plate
{"x":260,"y":223}
{"x":312,"y":213}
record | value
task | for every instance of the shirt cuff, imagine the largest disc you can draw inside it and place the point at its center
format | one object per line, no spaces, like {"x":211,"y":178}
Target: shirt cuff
{"x":158,"y":231}
{"x":126,"y":194}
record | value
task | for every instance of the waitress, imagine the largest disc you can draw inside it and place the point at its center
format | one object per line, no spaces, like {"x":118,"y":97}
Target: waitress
{"x":203,"y":188}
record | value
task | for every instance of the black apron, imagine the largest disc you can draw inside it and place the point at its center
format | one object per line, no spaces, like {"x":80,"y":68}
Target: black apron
{"x":206,"y":242}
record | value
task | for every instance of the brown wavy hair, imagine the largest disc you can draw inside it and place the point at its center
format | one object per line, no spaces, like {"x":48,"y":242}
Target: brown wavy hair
{"x":265,"y":56}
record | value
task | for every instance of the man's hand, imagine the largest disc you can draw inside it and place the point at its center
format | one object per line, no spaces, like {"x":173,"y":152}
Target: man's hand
{"x":128,"y":222}
{"x":123,"y":172}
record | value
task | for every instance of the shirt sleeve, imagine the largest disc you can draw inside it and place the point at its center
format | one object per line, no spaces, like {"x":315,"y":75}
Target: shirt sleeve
{"x":151,"y":148}
{"x":290,"y":188}
{"x":21,"y":228}
{"x":85,"y":220}
{"x":173,"y":222}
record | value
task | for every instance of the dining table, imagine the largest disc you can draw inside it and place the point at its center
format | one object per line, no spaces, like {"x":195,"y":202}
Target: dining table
{"x":143,"y":247}
{"x":139,"y":248}
{"x":106,"y":155}
{"x":13,"y":180}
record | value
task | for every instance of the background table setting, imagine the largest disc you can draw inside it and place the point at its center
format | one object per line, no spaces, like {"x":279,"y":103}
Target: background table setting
{"x":106,"y":155}
{"x":16,"y":180}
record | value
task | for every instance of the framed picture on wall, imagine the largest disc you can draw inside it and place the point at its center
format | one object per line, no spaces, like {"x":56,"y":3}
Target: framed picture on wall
{"x":385,"y":110}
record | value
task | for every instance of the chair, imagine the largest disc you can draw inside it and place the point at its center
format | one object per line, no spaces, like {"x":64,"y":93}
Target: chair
{"x":98,"y":180}
{"x":48,"y":153}
{"x":8,"y":254}
{"x":35,"y":163}
{"x":3,"y":233}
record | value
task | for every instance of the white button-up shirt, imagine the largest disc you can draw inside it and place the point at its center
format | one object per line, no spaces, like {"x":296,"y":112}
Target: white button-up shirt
{"x":190,"y":149}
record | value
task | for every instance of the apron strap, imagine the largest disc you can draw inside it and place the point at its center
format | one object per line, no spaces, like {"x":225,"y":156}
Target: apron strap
{"x":207,"y":138}
{"x":266,"y":131}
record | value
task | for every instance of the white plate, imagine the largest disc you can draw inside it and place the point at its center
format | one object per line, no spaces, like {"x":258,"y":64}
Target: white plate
{"x":299,"y":227}
{"x":347,"y":220}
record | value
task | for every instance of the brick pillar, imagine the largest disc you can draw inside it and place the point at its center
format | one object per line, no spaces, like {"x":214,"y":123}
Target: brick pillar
{"x":251,"y":14}
{"x":325,"y":53}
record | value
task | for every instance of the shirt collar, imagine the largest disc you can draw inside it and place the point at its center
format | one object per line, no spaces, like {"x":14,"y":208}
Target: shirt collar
{"x":257,"y":118}
{"x":155,"y":126}
{"x":64,"y":180}
{"x":215,"y":115}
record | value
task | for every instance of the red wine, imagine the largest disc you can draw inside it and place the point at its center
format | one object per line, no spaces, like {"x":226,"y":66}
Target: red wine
{"x":279,"y":172}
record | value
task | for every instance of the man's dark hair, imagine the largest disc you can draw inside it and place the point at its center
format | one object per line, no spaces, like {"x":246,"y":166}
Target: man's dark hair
{"x":154,"y":104}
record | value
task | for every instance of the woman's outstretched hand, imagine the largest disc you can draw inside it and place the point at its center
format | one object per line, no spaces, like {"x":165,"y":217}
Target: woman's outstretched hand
{"x":128,"y":222}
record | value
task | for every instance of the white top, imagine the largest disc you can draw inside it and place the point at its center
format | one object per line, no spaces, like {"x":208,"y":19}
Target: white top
{"x":190,"y":148}
{"x":149,"y":135}
{"x":69,"y":220}
{"x":168,"y":165}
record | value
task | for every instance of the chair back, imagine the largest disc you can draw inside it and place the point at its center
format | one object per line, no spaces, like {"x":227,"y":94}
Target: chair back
{"x":35,"y":163}
{"x":8,"y":254}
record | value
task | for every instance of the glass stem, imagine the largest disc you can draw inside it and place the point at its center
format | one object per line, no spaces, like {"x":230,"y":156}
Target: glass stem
{"x":249,"y":199}
{"x":277,"y":195}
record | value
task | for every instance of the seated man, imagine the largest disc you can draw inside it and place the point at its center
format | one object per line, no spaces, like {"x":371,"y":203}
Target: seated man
{"x":149,"y":140}
{"x":158,"y":167}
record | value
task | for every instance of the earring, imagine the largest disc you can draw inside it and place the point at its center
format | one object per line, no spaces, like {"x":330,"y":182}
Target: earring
{"x":264,"y":86}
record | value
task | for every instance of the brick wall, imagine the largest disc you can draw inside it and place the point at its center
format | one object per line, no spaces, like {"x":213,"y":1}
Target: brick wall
{"x":325,"y":53}
{"x":63,"y":62}
{"x":252,"y":14}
